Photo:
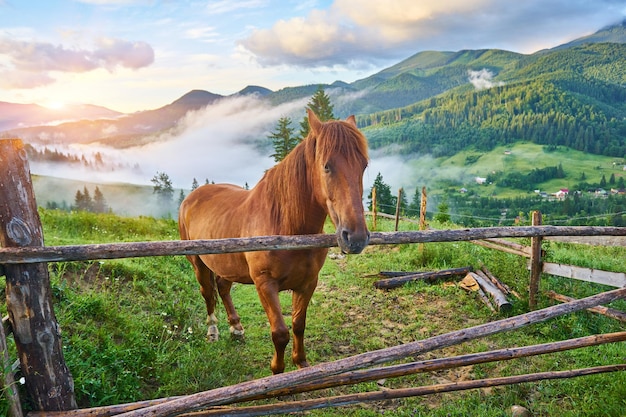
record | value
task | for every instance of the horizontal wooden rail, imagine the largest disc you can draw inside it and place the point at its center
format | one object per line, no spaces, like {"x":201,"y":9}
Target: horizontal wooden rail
{"x":263,"y":243}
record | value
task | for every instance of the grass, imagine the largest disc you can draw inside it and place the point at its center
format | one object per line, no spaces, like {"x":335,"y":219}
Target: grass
{"x":134,"y":329}
{"x":520,"y":157}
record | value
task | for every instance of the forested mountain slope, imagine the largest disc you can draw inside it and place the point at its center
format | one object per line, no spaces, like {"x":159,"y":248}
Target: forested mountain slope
{"x":574,"y":97}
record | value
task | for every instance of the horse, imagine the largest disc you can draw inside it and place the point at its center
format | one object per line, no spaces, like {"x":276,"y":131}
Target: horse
{"x":321,"y":177}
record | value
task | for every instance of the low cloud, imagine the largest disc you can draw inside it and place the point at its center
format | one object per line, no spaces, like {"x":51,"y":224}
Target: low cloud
{"x":32,"y":62}
{"x":219,"y":143}
{"x":482,"y":79}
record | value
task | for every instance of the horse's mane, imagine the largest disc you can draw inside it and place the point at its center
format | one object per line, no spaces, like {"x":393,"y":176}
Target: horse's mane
{"x":289,"y":183}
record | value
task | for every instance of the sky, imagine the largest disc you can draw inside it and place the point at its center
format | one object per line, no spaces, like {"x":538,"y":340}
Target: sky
{"x":132,"y":55}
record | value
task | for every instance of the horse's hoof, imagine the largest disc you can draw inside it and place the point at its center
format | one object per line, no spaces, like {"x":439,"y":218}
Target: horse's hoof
{"x":237,"y":334}
{"x":303,"y":364}
{"x":213,"y":335}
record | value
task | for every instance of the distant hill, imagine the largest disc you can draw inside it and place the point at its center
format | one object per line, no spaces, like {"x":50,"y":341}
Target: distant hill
{"x":13,"y":115}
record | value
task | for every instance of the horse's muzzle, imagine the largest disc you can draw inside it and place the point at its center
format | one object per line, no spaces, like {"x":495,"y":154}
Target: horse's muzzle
{"x":352,"y":242}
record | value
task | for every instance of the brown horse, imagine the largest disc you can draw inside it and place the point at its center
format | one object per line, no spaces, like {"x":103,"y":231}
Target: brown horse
{"x":321,"y":177}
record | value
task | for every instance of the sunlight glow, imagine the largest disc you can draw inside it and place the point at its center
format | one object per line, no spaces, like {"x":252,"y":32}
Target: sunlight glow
{"x":54,"y":105}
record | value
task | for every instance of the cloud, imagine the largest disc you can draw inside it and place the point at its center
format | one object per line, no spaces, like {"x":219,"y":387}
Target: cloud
{"x":482,"y":79}
{"x":38,"y":59}
{"x":349,"y":31}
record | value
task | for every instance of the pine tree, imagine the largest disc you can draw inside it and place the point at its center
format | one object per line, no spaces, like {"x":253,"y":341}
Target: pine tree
{"x":385,"y":201}
{"x":99,"y":203}
{"x":320,"y":105}
{"x":194,"y":184}
{"x":283,"y":140}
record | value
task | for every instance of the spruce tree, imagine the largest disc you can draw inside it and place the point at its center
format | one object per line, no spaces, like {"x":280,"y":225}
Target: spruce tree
{"x":385,"y":201}
{"x":283,"y":140}
{"x":320,"y":105}
{"x":99,"y":203}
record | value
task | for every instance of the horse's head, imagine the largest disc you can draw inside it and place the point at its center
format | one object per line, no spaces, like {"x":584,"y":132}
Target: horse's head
{"x":340,"y":151}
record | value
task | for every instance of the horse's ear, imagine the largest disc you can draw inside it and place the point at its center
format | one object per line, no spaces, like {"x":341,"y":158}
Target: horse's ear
{"x":351,"y":120}
{"x":314,"y":122}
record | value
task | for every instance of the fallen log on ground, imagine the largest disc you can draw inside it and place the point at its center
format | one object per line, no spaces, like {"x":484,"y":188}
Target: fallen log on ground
{"x":498,"y":296}
{"x":398,"y":281}
{"x":469,"y":283}
{"x":606,"y":311}
{"x":344,"y":400}
{"x":250,"y":389}
{"x":505,"y":288}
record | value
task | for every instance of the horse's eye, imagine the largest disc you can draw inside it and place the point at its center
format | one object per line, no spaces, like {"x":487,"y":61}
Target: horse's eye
{"x":327,"y":168}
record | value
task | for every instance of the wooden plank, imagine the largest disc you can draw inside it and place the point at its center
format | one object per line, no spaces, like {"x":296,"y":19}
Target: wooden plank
{"x":614,"y":279}
{"x":591,"y":240}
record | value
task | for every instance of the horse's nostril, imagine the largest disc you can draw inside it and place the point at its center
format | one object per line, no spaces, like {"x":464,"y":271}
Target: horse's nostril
{"x":345,"y":235}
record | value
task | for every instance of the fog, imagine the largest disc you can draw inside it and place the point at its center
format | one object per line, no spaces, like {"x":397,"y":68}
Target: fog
{"x":225,"y":142}
{"x":219,"y":143}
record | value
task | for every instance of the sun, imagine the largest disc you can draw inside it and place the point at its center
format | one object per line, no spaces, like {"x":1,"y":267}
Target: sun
{"x":54,"y":105}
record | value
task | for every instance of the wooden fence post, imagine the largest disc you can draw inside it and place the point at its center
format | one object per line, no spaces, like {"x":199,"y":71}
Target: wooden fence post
{"x":49,"y":383}
{"x":423,"y":224}
{"x":374,"y":210}
{"x":398,"y":204}
{"x":535,"y":263}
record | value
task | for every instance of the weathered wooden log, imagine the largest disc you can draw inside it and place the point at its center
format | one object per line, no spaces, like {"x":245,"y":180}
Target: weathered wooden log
{"x":29,"y":301}
{"x":606,"y":311}
{"x":350,"y":399}
{"x":535,"y":263}
{"x":431,"y":365}
{"x":499,"y":299}
{"x":395,"y":371}
{"x":250,"y":389}
{"x":398,"y":281}
{"x":262,"y":243}
{"x":498,"y":244}
{"x":505,"y":288}
{"x":103,"y":411}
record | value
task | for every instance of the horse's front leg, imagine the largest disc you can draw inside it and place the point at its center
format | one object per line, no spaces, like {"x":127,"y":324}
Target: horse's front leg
{"x":268,"y":294}
{"x":300,"y":302}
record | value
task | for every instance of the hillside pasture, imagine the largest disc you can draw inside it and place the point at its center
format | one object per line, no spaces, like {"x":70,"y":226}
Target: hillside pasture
{"x":462,"y":169}
{"x":134,"y":329}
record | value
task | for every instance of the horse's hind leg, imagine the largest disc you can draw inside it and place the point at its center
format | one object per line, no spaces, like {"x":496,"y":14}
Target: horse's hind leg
{"x":223,"y":287}
{"x":208,"y":288}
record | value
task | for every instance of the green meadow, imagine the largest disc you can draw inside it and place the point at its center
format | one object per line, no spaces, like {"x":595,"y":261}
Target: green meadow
{"x":134,"y":329}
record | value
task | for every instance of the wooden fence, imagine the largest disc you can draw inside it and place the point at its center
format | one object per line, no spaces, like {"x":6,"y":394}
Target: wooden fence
{"x":36,"y":332}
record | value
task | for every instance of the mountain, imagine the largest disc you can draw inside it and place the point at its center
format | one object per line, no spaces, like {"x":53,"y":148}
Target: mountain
{"x":574,"y":97}
{"x":612,"y":34}
{"x":433,"y":101}
{"x":123,"y":131}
